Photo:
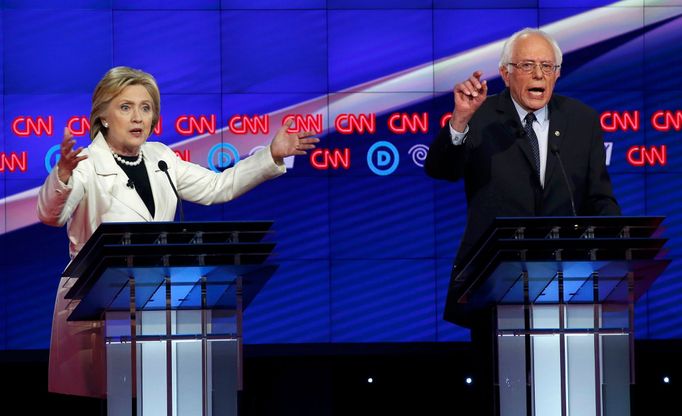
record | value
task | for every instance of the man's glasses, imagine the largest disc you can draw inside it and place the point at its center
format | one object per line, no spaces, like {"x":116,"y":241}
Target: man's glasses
{"x":529,"y":66}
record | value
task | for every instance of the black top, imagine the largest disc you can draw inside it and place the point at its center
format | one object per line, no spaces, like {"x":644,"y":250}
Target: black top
{"x":139,"y":179}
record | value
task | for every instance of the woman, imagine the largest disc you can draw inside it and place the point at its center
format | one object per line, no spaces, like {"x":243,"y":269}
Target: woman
{"x":117,"y":179}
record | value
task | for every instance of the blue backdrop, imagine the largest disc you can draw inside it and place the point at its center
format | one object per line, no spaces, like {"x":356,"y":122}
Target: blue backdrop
{"x":365,"y":249}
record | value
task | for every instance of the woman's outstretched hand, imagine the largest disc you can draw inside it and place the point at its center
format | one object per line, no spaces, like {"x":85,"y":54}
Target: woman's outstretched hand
{"x":68,"y":158}
{"x":290,"y":144}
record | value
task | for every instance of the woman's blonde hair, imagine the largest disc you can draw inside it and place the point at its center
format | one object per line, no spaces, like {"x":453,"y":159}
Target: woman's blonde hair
{"x":111,"y":85}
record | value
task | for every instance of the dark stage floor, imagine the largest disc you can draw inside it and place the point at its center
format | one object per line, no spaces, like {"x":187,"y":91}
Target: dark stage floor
{"x":324,"y":379}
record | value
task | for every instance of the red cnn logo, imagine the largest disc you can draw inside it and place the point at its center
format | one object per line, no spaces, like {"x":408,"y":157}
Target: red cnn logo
{"x":356,"y":123}
{"x":301,"y":123}
{"x":323,"y":159}
{"x":24,"y":126}
{"x":244,"y":124}
{"x":401,"y":123}
{"x":79,"y":125}
{"x":183,"y":154}
{"x":189,"y":125}
{"x":614,"y":120}
{"x":445,"y":119}
{"x":640,"y":156}
{"x":13,"y":162}
{"x":666,"y":120}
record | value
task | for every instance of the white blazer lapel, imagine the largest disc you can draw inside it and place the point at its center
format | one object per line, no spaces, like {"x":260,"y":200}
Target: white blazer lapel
{"x":108,"y":171}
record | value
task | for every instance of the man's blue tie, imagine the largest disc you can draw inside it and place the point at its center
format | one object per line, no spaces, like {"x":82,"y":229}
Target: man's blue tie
{"x":533,"y":140}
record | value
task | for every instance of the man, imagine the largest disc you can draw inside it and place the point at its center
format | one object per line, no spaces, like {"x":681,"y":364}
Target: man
{"x":506,"y":148}
{"x":486,"y":143}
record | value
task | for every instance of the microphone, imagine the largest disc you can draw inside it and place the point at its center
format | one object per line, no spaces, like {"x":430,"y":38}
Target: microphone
{"x":555,"y":149}
{"x":164,"y":168}
{"x":130,"y":184}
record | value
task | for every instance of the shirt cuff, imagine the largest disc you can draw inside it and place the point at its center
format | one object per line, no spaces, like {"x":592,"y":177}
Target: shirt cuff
{"x":59,"y":185}
{"x":457,"y":137}
{"x":280,"y":166}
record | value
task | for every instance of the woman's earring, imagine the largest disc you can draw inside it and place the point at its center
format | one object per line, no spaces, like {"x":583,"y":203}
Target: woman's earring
{"x":105,"y":124}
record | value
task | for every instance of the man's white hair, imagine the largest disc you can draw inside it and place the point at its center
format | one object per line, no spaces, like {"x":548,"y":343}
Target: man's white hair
{"x":506,"y":56}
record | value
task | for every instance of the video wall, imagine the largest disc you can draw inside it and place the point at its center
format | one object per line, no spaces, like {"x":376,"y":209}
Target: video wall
{"x":365,"y":240}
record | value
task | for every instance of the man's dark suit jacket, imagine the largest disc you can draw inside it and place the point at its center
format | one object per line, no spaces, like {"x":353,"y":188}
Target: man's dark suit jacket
{"x":496,"y":163}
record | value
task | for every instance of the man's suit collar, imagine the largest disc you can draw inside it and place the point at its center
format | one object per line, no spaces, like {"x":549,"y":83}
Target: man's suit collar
{"x":505,"y":107}
{"x":509,"y":117}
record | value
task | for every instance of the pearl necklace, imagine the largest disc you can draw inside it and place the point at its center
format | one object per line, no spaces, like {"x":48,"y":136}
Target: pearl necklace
{"x":136,"y":162}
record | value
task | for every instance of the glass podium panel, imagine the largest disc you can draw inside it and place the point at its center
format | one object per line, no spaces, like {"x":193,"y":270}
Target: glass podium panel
{"x":186,"y":361}
{"x":574,"y":355}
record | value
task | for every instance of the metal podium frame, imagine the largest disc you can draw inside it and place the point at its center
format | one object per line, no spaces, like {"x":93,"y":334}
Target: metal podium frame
{"x":563,"y":291}
{"x":172,"y":296}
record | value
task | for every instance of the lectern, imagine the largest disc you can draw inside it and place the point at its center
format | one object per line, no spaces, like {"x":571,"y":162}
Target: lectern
{"x":171,"y":296}
{"x":561,"y":294}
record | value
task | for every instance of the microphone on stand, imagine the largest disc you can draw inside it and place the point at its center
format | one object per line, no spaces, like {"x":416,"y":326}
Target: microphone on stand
{"x":164,"y":168}
{"x":555,"y":149}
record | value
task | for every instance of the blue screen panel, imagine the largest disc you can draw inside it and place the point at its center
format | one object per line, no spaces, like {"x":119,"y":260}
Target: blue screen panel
{"x":484,"y":4}
{"x":272,"y":4}
{"x":449,"y":216}
{"x":2,"y":211}
{"x":665,"y":296}
{"x":457,"y":63}
{"x":2,"y":62}
{"x":2,"y":132}
{"x":56,"y":51}
{"x":587,"y":3}
{"x":195,"y":212}
{"x":663,"y":53}
{"x":393,"y":222}
{"x":293,"y":306}
{"x":448,"y":26}
{"x":630,"y":191}
{"x":383,"y":301}
{"x":181,"y":48}
{"x":364,"y":45}
{"x":261,"y":104}
{"x":32,"y":286}
{"x":618,"y":59}
{"x":295,"y":60}
{"x":3,"y":288}
{"x":64,"y":4}
{"x":378,"y":4}
{"x":300,"y":208}
{"x":166,"y":4}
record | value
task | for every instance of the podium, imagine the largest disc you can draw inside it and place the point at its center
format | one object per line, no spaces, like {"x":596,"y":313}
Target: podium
{"x":560,"y":295}
{"x":171,"y":296}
